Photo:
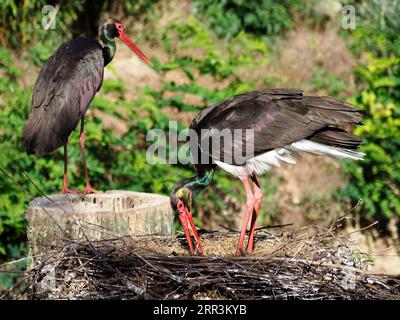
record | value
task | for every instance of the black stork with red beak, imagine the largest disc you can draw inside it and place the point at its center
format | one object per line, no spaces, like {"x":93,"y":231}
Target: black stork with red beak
{"x":64,"y":89}
{"x":284,"y":122}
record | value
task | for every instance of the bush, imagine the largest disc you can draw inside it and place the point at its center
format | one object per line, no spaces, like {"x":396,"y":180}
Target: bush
{"x":22,"y":21}
{"x":13,"y":111}
{"x":260,"y":17}
{"x":378,"y":27}
{"x":376,"y":180}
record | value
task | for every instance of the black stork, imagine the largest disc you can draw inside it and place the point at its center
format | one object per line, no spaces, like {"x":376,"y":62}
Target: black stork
{"x":284,"y":123}
{"x":64,"y":89}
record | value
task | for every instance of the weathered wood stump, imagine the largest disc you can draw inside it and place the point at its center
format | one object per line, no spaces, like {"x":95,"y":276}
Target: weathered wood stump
{"x":102,"y":216}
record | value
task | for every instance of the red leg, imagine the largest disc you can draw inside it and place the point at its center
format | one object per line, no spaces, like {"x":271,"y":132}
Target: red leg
{"x":257,"y":202}
{"x":88,"y":188}
{"x":249,"y":210}
{"x":65,"y":184}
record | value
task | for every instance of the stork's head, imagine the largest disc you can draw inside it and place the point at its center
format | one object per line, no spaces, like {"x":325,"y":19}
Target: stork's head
{"x":181,"y":199}
{"x":114,"y":29}
{"x":181,"y":202}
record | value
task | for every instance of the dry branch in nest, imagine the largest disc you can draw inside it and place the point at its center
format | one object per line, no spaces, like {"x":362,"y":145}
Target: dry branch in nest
{"x":284,"y":265}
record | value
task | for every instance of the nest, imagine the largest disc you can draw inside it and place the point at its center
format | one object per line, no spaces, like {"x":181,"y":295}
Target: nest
{"x":284,"y":265}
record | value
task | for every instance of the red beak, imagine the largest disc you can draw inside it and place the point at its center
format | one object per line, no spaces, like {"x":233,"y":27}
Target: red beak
{"x":134,"y":47}
{"x":187,"y":222}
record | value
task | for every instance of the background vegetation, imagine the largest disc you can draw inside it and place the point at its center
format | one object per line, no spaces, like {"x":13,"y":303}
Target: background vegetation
{"x":227,"y":42}
{"x":377,"y":179}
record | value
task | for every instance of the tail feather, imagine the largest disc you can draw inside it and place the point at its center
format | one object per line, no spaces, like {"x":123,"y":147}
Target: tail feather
{"x":336,"y":137}
{"x":322,"y":149}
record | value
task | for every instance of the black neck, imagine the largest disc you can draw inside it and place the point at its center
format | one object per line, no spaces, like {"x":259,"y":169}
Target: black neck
{"x":109,"y":48}
{"x":108,"y":55}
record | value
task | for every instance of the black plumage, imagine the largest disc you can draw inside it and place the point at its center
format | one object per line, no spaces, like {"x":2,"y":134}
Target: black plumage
{"x":279,"y":117}
{"x":63,"y":91}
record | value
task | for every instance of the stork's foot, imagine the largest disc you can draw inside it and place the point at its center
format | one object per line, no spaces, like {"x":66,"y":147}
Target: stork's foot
{"x":250,"y":246}
{"x":199,"y":251}
{"x":89,"y":189}
{"x":67,"y":190}
{"x":240,"y":252}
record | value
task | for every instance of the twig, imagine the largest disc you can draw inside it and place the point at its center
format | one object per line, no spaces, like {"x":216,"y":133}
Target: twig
{"x":362,"y":229}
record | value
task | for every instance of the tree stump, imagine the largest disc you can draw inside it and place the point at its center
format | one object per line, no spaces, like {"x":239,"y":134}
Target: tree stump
{"x":92,"y":217}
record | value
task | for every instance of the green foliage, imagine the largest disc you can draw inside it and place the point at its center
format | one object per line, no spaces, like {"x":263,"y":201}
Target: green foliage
{"x":261,"y":17}
{"x":378,"y":27}
{"x":12,"y":112}
{"x":13,"y":269}
{"x":137,"y":7}
{"x":21,"y":22}
{"x":376,"y":180}
{"x":221,"y":63}
{"x":323,"y":80}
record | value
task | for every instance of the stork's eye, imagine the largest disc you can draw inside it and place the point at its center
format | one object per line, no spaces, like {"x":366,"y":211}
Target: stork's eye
{"x":119,"y":27}
{"x":180,"y":206}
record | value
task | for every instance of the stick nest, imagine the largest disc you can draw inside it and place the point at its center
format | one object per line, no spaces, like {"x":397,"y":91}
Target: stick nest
{"x":284,"y":265}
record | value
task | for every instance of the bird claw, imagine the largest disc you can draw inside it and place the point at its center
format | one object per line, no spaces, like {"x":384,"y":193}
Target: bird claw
{"x":250,"y":247}
{"x":241,"y":252}
{"x":89,"y":189}
{"x":67,"y":190}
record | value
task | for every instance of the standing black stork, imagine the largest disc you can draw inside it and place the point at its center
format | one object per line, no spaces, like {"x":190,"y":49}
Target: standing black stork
{"x":64,"y":89}
{"x":284,"y":123}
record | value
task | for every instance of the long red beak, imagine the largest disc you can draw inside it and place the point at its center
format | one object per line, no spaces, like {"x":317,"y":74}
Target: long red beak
{"x":134,"y":47}
{"x":187,"y":222}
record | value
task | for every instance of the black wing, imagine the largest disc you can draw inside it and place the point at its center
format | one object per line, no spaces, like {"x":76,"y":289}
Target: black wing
{"x":63,"y":91}
{"x":278,"y":117}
